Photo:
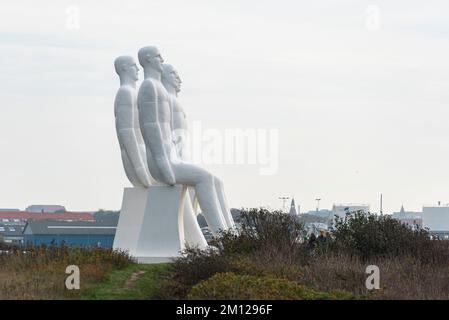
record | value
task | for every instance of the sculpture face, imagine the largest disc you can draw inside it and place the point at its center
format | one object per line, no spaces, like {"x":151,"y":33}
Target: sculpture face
{"x":156,"y":61}
{"x":178,"y":81}
{"x":151,"y":57}
{"x":132,"y":71}
{"x":126,"y":67}
{"x":170,"y":77}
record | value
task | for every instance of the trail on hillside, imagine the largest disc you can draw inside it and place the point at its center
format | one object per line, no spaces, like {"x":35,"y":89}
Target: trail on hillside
{"x":133,"y":278}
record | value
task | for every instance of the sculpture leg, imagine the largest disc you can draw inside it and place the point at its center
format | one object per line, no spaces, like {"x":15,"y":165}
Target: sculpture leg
{"x":193,"y":200}
{"x":143,"y":153}
{"x":223,"y":202}
{"x":204,"y":184}
{"x":194,"y":236}
{"x":129,"y":171}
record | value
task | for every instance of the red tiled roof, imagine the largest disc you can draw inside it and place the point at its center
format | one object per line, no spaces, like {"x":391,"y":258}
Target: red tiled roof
{"x":83,"y":216}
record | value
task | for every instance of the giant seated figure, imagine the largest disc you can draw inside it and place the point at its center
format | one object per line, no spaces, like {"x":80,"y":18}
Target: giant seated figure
{"x":157,"y":215}
{"x":165,"y":166}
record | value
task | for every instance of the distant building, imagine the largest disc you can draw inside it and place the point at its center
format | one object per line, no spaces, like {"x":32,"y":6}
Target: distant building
{"x":22,"y":215}
{"x":39,"y":208}
{"x":402,"y":214}
{"x":207,"y":233}
{"x":71,"y":233}
{"x":110,"y":217}
{"x":316,"y":227}
{"x":408,"y":218}
{"x":322,"y":213}
{"x":293,"y":211}
{"x":436,"y":218}
{"x":11,"y":232}
{"x":342,"y":209}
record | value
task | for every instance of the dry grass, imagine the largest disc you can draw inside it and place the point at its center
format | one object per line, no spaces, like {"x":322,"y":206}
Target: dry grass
{"x":400,"y":277}
{"x":411,"y":265}
{"x":39,"y":273}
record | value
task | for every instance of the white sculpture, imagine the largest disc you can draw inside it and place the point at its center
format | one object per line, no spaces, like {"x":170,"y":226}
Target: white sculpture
{"x":133,"y":154}
{"x":172,"y":83}
{"x":164,"y":164}
{"x":129,"y":136}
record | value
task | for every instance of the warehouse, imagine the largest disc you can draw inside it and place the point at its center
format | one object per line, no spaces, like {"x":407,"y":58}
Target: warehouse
{"x":69,"y":233}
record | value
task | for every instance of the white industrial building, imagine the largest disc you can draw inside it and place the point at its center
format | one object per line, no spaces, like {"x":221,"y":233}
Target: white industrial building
{"x":342,"y":209}
{"x":39,"y":208}
{"x":436,"y":218}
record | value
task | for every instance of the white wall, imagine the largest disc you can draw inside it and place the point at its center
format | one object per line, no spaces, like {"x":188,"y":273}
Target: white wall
{"x":436,"y":218}
{"x":340,"y":211}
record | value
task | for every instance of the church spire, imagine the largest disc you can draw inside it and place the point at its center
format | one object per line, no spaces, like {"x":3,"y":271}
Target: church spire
{"x":293,"y":211}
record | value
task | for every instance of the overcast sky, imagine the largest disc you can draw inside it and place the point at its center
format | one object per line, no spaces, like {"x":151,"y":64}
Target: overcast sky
{"x":358,"y":90}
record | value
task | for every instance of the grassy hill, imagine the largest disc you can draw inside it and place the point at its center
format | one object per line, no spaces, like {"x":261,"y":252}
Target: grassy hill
{"x":134,"y":282}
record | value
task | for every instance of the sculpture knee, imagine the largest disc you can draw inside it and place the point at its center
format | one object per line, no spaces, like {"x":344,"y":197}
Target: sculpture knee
{"x":208,"y":178}
{"x":218,"y":182}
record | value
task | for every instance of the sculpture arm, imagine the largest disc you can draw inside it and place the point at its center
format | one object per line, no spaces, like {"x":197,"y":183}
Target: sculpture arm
{"x":147,"y":102}
{"x":179,"y":130}
{"x":127,"y":135}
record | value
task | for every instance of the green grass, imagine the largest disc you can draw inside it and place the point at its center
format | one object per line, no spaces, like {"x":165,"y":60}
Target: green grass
{"x":118,"y":285}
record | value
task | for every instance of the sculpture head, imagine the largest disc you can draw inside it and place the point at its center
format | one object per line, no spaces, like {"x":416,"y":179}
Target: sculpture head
{"x":126,"y":68}
{"x":150,"y":57}
{"x":170,"y":77}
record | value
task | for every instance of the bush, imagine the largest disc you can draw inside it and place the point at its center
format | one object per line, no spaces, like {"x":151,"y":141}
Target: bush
{"x":258,"y":266}
{"x":194,"y":266}
{"x":266,"y":260}
{"x":198,"y":265}
{"x":230,"y":286}
{"x":262,"y":230}
{"x":372,"y":236}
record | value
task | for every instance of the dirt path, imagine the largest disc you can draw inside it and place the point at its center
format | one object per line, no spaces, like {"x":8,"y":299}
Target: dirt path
{"x":134,"y":277}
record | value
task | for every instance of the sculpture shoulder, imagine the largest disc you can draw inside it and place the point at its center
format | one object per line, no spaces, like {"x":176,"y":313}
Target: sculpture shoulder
{"x":125,"y":94}
{"x":124,"y":98}
{"x":147,"y":88}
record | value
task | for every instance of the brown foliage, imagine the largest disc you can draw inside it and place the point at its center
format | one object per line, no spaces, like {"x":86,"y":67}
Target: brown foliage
{"x":39,"y":272}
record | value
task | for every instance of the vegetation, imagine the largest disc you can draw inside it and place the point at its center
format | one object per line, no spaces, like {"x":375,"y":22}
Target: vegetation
{"x":39,"y":273}
{"x":229,"y":286}
{"x":134,"y":282}
{"x":267,"y":258}
{"x":370,"y":236}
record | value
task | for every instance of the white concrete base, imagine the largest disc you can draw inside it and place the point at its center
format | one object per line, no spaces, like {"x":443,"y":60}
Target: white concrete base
{"x":154,"y":260}
{"x":162,"y":233}
{"x":130,"y":220}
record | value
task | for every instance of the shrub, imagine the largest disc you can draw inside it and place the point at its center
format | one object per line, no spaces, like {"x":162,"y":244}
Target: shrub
{"x":372,"y":236}
{"x":194,"y":266}
{"x":230,"y":286}
{"x":262,"y":230}
{"x":265,"y":260}
{"x":258,"y":266}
